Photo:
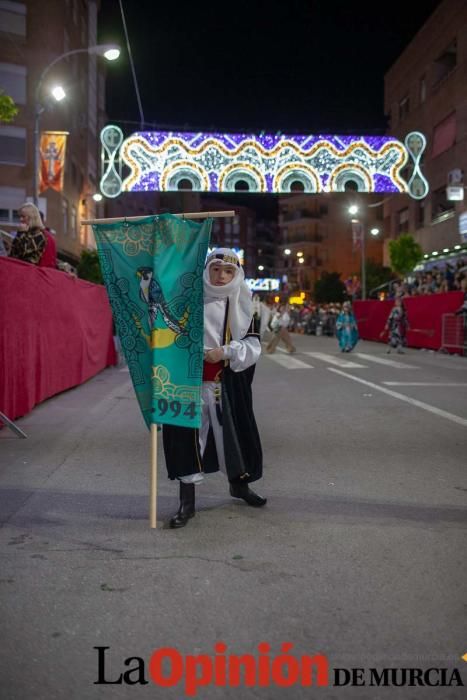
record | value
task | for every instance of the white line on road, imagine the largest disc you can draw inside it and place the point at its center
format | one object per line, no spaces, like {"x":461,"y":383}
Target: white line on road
{"x":420,"y":404}
{"x":289,"y":362}
{"x":333,"y":360}
{"x":385,"y":361}
{"x":425,"y":383}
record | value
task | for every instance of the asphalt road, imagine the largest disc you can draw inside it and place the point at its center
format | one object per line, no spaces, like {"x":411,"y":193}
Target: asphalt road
{"x":359,"y":554}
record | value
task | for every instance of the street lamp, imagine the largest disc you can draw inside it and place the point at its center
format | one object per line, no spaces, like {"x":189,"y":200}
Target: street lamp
{"x":353,"y":210}
{"x":109,"y":51}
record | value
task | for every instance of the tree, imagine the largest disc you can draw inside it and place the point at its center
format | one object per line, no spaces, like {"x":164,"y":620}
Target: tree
{"x":377,"y":275}
{"x":404,"y":253}
{"x":329,"y":288}
{"x":88,"y":267}
{"x":8,"y":109}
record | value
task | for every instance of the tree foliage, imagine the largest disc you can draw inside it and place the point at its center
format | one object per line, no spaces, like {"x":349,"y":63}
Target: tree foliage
{"x":88,"y":267}
{"x":329,"y":288}
{"x":377,"y":274}
{"x":404,"y":253}
{"x":8,"y":109}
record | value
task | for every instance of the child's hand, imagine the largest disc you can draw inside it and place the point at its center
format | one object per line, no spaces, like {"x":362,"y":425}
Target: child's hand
{"x":214,"y":355}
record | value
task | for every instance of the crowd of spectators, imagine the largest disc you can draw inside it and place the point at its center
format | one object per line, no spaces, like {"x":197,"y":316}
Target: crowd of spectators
{"x":450,"y":278}
{"x":311,"y":319}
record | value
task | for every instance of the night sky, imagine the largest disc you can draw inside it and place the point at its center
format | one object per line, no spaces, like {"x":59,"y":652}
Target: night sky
{"x":252,"y":65}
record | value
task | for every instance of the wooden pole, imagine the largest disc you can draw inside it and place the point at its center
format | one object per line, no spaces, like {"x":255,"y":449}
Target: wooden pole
{"x":153,"y":479}
{"x":190,"y":215}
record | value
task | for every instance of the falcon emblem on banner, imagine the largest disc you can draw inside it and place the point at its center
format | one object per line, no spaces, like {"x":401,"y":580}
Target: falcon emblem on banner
{"x":52,"y":160}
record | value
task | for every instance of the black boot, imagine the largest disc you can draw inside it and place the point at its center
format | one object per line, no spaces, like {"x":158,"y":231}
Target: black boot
{"x":187,"y":506}
{"x":240,"y":489}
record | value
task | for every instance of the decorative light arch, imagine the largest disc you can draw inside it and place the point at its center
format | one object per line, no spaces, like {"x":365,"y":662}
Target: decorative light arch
{"x":160,"y":160}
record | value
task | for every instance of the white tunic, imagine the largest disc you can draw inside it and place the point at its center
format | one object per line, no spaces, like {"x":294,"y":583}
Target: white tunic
{"x":241,"y":355}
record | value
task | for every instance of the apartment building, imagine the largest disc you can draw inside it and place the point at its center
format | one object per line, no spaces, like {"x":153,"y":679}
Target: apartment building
{"x":318,"y":230}
{"x":425,"y":90}
{"x":32,"y":36}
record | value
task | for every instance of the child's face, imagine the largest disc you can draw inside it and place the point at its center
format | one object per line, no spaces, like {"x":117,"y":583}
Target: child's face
{"x":221,"y":274}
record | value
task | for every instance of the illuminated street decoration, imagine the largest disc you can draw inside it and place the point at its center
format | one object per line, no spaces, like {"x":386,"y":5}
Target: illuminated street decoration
{"x":263,"y":284}
{"x":417,"y":184}
{"x":167,"y":161}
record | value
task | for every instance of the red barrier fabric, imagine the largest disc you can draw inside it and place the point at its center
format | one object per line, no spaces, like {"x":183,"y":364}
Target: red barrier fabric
{"x":55,"y":333}
{"x":424,"y":314}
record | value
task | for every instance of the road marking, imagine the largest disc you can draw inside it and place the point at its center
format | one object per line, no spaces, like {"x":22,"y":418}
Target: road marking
{"x":333,"y":360}
{"x":420,"y":404}
{"x":289,"y":362}
{"x":385,"y":361}
{"x":425,"y":383}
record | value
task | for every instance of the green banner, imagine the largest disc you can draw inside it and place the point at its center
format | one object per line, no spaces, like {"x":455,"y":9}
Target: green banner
{"x":153,"y":272}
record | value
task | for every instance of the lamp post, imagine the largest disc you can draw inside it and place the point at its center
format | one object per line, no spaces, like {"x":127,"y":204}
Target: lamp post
{"x":110,"y":51}
{"x":353,"y":211}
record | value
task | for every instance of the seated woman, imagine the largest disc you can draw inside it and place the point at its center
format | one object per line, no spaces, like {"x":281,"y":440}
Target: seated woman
{"x":30,"y":241}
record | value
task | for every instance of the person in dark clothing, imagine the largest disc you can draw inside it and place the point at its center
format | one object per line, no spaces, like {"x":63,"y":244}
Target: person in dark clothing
{"x":49,"y":256}
{"x":228,"y":438}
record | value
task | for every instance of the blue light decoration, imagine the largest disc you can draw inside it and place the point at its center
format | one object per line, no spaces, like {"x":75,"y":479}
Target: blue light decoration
{"x":212,"y":162}
{"x":263,"y":284}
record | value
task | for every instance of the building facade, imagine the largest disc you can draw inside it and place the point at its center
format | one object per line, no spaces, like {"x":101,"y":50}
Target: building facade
{"x":32,"y":36}
{"x":425,"y":90}
{"x":318,"y":230}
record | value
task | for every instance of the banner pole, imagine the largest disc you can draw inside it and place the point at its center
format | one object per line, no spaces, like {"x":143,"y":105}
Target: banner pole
{"x":188,"y":215}
{"x":153,"y":479}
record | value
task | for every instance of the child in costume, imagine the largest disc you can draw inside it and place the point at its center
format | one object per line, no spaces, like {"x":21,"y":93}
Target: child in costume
{"x":397,"y":326}
{"x":228,"y":438}
{"x":346,"y":328}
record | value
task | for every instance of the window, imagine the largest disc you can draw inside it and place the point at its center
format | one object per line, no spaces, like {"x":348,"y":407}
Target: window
{"x":403,"y":220}
{"x":13,"y":81}
{"x":66,"y":41}
{"x":13,"y":145}
{"x":444,"y":135}
{"x":65,"y":216}
{"x":422,"y":92}
{"x":10,"y":199}
{"x":74,"y":226}
{"x":13,"y":17}
{"x":441,"y":207}
{"x":445,"y":63}
{"x":404,"y":107}
{"x":421,"y":213}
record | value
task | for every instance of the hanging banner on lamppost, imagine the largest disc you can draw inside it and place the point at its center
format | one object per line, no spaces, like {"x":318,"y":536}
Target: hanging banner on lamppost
{"x":357,"y":235}
{"x":52,"y":160}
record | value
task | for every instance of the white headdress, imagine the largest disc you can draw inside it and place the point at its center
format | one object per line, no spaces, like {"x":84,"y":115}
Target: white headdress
{"x":237,"y":292}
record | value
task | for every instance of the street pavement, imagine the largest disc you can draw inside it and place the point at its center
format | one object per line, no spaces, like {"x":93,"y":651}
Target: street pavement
{"x":359,"y":553}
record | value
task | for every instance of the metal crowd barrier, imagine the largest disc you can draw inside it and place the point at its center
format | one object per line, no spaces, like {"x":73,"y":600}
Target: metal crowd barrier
{"x":454,"y":333}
